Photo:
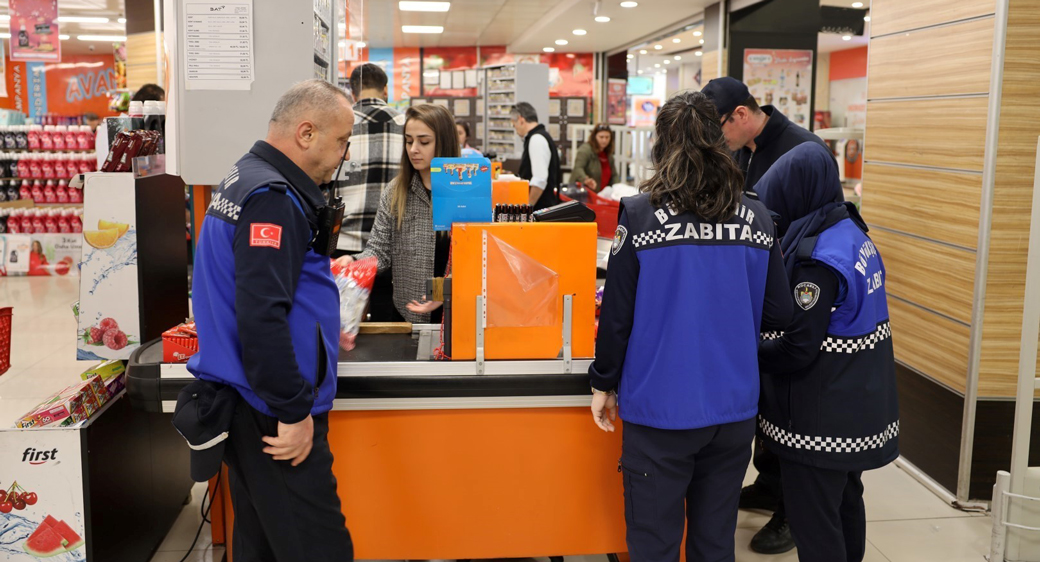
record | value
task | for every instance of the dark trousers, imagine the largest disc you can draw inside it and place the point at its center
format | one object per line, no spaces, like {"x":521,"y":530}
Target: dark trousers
{"x":826,"y":512}
{"x":691,"y":476}
{"x":767,"y":463}
{"x":283,"y":513}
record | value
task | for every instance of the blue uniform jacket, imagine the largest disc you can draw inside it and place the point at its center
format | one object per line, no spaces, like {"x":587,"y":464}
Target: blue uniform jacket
{"x":683,"y":305}
{"x":266,"y":307}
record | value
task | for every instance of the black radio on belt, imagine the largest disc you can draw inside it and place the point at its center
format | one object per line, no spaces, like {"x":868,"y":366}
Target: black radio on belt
{"x":330,"y":219}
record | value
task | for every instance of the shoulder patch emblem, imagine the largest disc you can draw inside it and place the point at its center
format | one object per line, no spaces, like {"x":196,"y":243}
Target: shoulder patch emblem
{"x":619,"y":240}
{"x":806,"y":294}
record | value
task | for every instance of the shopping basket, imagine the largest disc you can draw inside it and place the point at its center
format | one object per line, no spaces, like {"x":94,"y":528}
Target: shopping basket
{"x":5,"y":339}
{"x":606,"y":210}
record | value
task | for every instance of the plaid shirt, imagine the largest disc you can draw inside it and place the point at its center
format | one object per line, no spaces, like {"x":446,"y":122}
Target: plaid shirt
{"x":376,"y":146}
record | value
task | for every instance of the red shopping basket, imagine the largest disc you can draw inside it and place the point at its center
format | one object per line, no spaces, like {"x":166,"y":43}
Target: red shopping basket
{"x":606,"y":213}
{"x":5,"y":339}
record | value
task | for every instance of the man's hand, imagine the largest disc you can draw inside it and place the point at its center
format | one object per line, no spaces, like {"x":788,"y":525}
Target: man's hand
{"x":293,"y":443}
{"x":604,"y":410}
{"x":590,"y":184}
{"x":424,"y":307}
{"x":344,"y":261}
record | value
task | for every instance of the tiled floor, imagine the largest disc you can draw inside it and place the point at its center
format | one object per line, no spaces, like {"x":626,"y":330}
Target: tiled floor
{"x":906,"y":522}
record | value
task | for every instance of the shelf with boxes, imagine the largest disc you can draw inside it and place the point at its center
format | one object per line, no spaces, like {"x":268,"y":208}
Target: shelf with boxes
{"x":507,"y":85}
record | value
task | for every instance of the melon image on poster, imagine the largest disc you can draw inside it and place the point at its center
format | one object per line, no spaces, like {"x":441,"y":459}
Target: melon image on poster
{"x":41,"y":513}
{"x":109,"y":313}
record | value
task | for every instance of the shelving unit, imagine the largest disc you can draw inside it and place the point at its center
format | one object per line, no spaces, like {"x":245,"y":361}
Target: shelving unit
{"x":506,"y":85}
{"x":324,"y":35}
{"x":563,"y":113}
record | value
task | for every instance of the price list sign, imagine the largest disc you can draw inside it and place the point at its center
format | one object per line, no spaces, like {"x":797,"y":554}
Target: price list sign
{"x":218,"y":45}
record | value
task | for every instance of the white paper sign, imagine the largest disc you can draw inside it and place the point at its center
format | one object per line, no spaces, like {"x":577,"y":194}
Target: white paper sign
{"x":218,"y":45}
{"x":48,"y":464}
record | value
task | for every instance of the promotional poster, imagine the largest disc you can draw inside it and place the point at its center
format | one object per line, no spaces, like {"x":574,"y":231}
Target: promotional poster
{"x":41,"y":483}
{"x":34,"y":31}
{"x":461,"y":191}
{"x":783,"y":79}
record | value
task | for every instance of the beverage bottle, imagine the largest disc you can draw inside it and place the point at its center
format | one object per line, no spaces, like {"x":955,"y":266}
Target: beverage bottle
{"x":62,"y":192}
{"x":33,"y":137}
{"x":71,"y":137}
{"x":36,"y":166}
{"x":25,"y":224}
{"x":47,"y":138}
{"x":75,"y":195}
{"x":37,"y":191}
{"x":24,"y":170}
{"x":14,"y":221}
{"x":25,"y":190}
{"x":59,"y":137}
{"x":84,"y":138}
{"x":76,"y":221}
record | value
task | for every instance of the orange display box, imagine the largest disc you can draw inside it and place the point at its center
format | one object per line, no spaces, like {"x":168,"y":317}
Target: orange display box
{"x":510,"y":192}
{"x":569,"y":249}
{"x":472,"y":484}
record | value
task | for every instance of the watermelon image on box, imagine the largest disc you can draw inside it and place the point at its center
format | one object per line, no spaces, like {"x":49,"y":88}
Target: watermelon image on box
{"x":52,"y":538}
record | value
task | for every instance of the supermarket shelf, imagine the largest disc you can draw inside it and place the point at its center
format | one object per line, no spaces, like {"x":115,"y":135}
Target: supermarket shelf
{"x":499,"y":103}
{"x":319,"y":59}
{"x":505,"y":129}
{"x":501,"y":91}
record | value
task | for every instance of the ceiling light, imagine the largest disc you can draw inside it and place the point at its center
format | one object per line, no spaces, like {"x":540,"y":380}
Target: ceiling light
{"x":658,"y":65}
{"x":658,"y":47}
{"x":105,"y":38}
{"x":5,"y":17}
{"x":699,"y":53}
{"x":629,"y":4}
{"x":857,"y":4}
{"x":637,"y":72}
{"x":64,"y":37}
{"x":78,"y":19}
{"x":702,"y":41}
{"x":602,"y":19}
{"x":846,"y":38}
{"x":579,"y":32}
{"x":666,"y":61}
{"x":697,"y":33}
{"x":642,"y":51}
{"x":561,"y":41}
{"x":406,"y":6}
{"x":866,"y":18}
{"x":677,"y":57}
{"x":630,"y":56}
{"x":676,"y":40}
{"x":549,"y":49}
{"x":665,"y":71}
{"x":121,"y":20}
{"x":422,"y":29}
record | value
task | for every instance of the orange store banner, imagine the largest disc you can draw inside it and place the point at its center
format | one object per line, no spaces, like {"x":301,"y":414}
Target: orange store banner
{"x":78,"y":85}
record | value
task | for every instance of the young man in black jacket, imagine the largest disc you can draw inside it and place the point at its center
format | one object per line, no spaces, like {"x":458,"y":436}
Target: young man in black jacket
{"x":758,"y":137}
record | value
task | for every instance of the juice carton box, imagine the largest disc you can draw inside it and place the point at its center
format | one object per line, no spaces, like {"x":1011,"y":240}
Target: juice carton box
{"x":97,"y":388}
{"x":105,"y":370}
{"x":77,"y":416}
{"x":56,"y":409}
{"x":115,"y":385}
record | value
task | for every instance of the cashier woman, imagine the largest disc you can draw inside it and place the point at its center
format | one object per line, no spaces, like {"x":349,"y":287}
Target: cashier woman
{"x":403,"y":237}
{"x":695,"y":274}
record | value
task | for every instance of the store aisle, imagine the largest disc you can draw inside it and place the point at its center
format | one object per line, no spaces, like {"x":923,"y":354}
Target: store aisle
{"x":906,"y":522}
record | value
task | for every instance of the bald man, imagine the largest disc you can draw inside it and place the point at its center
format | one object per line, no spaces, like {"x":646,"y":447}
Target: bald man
{"x":267,"y":313}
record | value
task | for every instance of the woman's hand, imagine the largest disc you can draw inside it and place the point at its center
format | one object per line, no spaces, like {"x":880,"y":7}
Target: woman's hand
{"x":590,"y":183}
{"x":424,"y":307}
{"x":344,"y":261}
{"x":604,"y":410}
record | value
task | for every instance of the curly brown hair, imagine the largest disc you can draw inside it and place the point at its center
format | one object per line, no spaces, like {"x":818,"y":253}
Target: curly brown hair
{"x":693,"y":169}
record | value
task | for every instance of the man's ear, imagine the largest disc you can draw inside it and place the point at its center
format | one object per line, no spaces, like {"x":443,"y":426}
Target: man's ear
{"x":306,"y":134}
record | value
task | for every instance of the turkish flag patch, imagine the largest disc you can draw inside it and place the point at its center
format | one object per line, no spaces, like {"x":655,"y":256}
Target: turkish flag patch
{"x":265,"y":235}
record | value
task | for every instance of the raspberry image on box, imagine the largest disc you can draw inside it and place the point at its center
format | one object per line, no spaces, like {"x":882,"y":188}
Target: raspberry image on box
{"x":108,"y":334}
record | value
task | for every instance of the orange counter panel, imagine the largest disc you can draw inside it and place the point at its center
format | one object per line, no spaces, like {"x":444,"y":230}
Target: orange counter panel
{"x":566,"y":248}
{"x":509,"y":192}
{"x":476,"y":484}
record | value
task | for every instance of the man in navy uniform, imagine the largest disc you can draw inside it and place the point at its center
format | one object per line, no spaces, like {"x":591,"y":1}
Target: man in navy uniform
{"x":267,"y":313}
{"x":758,"y":137}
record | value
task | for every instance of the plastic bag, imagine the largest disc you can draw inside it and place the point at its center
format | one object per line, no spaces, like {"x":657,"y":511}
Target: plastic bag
{"x":521,"y":291}
{"x":354,"y":282}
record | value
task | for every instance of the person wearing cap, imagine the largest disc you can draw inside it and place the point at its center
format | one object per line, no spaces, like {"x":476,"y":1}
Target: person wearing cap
{"x":829,"y":406}
{"x":758,"y":136}
{"x":267,"y":314}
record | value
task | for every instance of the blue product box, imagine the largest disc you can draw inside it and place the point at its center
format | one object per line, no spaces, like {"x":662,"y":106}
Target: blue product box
{"x":461,"y":191}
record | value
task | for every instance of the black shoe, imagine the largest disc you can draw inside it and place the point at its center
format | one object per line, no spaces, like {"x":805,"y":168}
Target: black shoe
{"x":754,"y":496}
{"x":774,"y":538}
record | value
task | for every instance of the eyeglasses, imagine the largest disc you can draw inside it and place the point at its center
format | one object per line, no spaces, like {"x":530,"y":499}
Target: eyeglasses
{"x":727,"y":119}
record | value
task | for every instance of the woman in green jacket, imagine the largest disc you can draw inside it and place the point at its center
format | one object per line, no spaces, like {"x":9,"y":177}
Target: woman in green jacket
{"x":594,"y":163}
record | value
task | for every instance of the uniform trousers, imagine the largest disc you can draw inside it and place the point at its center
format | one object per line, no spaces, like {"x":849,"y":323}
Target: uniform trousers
{"x":283,"y":513}
{"x":683,"y":479}
{"x":826,"y":512}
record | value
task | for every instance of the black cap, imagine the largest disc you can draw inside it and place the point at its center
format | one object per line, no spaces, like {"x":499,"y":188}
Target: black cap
{"x":726,"y":93}
{"x":203,"y":418}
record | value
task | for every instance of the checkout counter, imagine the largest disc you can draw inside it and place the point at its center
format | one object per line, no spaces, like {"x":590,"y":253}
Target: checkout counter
{"x":474,"y":458}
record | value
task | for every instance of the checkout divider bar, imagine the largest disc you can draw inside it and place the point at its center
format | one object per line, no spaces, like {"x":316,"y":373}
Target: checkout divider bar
{"x":460,"y":403}
{"x":426,"y":368}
